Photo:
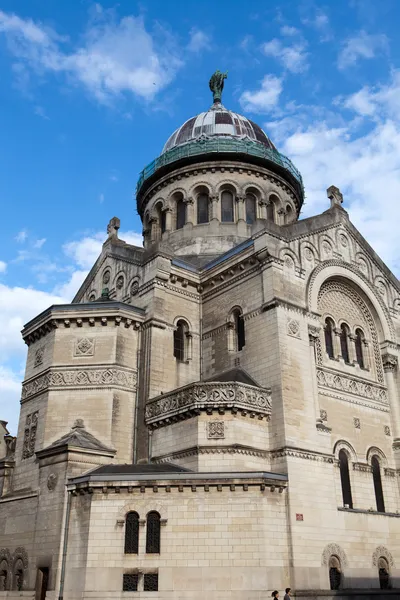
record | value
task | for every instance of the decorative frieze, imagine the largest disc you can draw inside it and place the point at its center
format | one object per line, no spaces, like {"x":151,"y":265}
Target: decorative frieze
{"x":352,"y":386}
{"x":78,"y":378}
{"x":191,"y":399}
{"x":30,"y":434}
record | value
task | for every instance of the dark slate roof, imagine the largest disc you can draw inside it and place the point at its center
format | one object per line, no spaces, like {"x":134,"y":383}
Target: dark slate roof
{"x":237,"y":374}
{"x":78,"y":437}
{"x":145,"y":468}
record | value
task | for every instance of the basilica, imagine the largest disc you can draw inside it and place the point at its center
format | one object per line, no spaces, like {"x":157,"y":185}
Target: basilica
{"x":216,"y":415}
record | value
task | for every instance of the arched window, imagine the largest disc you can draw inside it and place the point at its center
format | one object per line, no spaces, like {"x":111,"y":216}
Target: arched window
{"x":384,"y":576}
{"x":359,"y":347}
{"x":227,"y":207}
{"x":376,"y":474}
{"x":132,"y":533}
{"x":181,"y":341}
{"x":329,"y":328}
{"x":159,"y":223}
{"x":344,"y":342}
{"x":238,"y":329}
{"x":153,"y":533}
{"x":18,"y":575}
{"x":180,"y":214}
{"x":271,"y":207}
{"x":3,"y":576}
{"x":335,"y":573}
{"x":345,"y":479}
{"x":251,"y":209}
{"x":288,"y":214}
{"x":203,"y":202}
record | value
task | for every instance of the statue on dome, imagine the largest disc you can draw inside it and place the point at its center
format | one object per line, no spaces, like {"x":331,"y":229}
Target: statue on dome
{"x":217,"y":84}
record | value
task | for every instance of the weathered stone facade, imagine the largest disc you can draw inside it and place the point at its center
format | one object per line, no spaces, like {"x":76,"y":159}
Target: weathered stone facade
{"x":233,"y":386}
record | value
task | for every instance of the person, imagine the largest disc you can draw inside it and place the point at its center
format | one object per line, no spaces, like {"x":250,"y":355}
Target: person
{"x":288,"y":594}
{"x":275,"y":595}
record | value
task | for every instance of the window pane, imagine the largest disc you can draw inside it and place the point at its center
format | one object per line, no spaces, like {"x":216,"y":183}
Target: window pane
{"x":150,"y":582}
{"x":180,"y":214}
{"x":345,"y":479}
{"x":376,"y":474}
{"x":250,"y":210}
{"x":344,"y":337}
{"x":179,"y":341}
{"x":226,"y":207}
{"x":202,"y":208}
{"x":132,"y":533}
{"x":130,"y":582}
{"x":359,"y":348}
{"x":329,"y":338}
{"x":153,"y":533}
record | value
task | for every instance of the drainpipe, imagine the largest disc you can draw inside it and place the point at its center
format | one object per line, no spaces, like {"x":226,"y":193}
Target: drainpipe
{"x":138,"y":379}
{"x":65,"y":546}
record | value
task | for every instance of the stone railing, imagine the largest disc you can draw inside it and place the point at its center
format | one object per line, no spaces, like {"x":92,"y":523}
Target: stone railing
{"x":208,"y":396}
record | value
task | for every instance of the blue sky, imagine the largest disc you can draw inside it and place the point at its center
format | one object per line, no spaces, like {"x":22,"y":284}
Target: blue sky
{"x":90,"y":92}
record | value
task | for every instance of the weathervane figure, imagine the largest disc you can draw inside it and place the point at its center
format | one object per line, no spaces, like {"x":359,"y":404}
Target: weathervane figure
{"x":217,"y":85}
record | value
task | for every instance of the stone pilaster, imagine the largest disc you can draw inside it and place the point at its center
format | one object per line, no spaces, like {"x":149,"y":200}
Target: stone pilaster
{"x":189,"y":210}
{"x":241,"y":208}
{"x":214,"y":209}
{"x":390,"y":366}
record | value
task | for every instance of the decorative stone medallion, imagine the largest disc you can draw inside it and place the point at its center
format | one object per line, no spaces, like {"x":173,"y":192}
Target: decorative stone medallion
{"x":52,"y":481}
{"x":386,"y":429}
{"x":308,"y":254}
{"x":120,"y":282}
{"x":323,"y":415}
{"x":289,"y":263}
{"x":215,"y":430}
{"x":39,"y":357}
{"x":293,"y":328}
{"x":357,"y":423}
{"x":84,"y":347}
{"x":106,"y":277}
{"x":343,"y":240}
{"x":327,"y":248}
{"x":134,"y":288}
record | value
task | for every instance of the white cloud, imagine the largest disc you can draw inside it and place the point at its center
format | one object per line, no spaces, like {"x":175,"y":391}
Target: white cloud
{"x":39,"y":243}
{"x":85,"y":251}
{"x":199,"y":41}
{"x":101,"y":198}
{"x":21,"y":236}
{"x":116,"y":56}
{"x":320,"y":22}
{"x":362,"y":45}
{"x":289,"y":31}
{"x":3,"y":266}
{"x":293,"y":58}
{"x":40,"y":112}
{"x":378,"y":102}
{"x":263,"y":99}
{"x":10,"y":393}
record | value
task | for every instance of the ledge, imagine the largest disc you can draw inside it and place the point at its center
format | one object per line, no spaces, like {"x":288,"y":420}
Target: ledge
{"x":347,"y":593}
{"x":368,"y":512}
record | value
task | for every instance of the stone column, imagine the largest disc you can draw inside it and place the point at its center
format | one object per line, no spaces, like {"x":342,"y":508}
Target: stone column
{"x":262,"y":209}
{"x":337,"y":351}
{"x":214,"y":211}
{"x":352,"y":349}
{"x":240,"y":207}
{"x":189,"y":210}
{"x":281,"y":216}
{"x":168,"y":219}
{"x":154,"y":229}
{"x":390,"y":366}
{"x":313,"y":338}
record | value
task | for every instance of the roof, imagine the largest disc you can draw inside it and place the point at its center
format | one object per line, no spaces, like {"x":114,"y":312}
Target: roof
{"x":218,"y":121}
{"x":136,"y":469}
{"x":235,"y":374}
{"x":78,"y":437}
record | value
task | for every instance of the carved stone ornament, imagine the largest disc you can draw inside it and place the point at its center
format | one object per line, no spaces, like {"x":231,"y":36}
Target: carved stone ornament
{"x":209,"y":396}
{"x":120,"y":282}
{"x":215,"y":430}
{"x":357,"y":423}
{"x":323,"y":415}
{"x":327,"y":248}
{"x":31,"y":422}
{"x":389,"y":362}
{"x":381,"y":288}
{"x":308,"y":254}
{"x":334,"y":550}
{"x":386,"y":429}
{"x":21,"y":554}
{"x":75,"y":378}
{"x":382,"y":552}
{"x":106,"y":277}
{"x":84,"y":347}
{"x":134,"y":288}
{"x":313,"y":333}
{"x":350,"y":385}
{"x":289,"y":262}
{"x":52,"y":481}
{"x":343,"y":240}
{"x":39,"y":357}
{"x":293,"y":328}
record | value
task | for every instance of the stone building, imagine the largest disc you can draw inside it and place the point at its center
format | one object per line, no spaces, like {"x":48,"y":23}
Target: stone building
{"x":216,"y":414}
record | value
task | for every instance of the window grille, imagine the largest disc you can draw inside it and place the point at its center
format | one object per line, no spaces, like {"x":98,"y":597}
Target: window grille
{"x":202,"y":208}
{"x":344,"y":343}
{"x":180,"y":214}
{"x":179,"y":340}
{"x":150,"y":583}
{"x":359,"y":348}
{"x":335,"y":578}
{"x":345,"y":479}
{"x":226,"y":207}
{"x":250,"y":209}
{"x":130,"y":582}
{"x":153,"y":533}
{"x":376,"y":474}
{"x":240,"y":333}
{"x":132,"y":533}
{"x":329,"y":325}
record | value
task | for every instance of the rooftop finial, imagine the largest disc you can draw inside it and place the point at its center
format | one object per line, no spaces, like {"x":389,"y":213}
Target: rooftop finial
{"x":217,"y":85}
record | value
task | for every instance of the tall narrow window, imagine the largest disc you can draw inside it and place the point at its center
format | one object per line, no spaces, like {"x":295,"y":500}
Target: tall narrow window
{"x":227,"y":207}
{"x":202,"y":208}
{"x":180,"y":340}
{"x":344,"y":343}
{"x":180,"y":214}
{"x":376,"y":474}
{"x":153,"y":533}
{"x":359,"y":347}
{"x":42,"y":583}
{"x":251,"y":209}
{"x":384,"y":577}
{"x":345,"y":479}
{"x":163,"y":221}
{"x":335,"y":573}
{"x":271,"y":212}
{"x":132,"y":533}
{"x":18,"y":575}
{"x":329,"y":327}
{"x":4,"y":577}
{"x":288,"y":214}
{"x":240,"y":339}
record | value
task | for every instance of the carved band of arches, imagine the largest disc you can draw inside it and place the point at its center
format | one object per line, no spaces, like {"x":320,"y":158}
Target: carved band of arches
{"x":382,"y":552}
{"x":334,"y":550}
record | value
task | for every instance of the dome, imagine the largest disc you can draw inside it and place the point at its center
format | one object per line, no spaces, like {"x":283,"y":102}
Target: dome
{"x":218,"y":122}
